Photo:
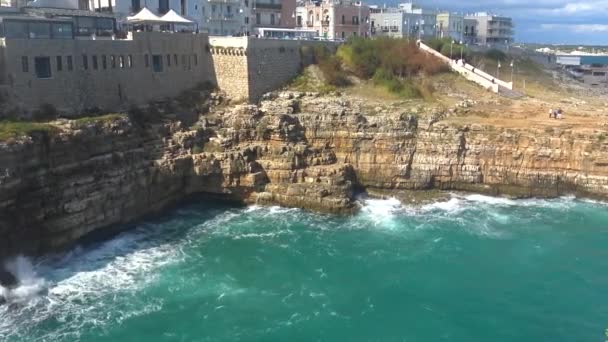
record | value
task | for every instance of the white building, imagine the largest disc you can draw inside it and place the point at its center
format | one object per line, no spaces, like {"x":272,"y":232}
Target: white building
{"x":427,"y":24}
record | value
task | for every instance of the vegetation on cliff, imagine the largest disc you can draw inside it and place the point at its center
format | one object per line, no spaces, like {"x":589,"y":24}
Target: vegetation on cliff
{"x":394,"y":64}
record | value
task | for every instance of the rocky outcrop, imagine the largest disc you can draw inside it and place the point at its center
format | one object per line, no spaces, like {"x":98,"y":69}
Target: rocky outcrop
{"x":294,"y":149}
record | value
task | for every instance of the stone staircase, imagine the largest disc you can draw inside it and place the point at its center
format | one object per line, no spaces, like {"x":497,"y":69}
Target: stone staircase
{"x":476,"y":75}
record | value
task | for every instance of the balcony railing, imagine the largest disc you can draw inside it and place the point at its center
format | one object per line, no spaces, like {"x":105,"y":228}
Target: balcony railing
{"x":225,"y":16}
{"x":268,"y":6}
{"x":225,"y":1}
{"x":324,"y":22}
{"x":394,"y":28}
{"x":310,"y":24}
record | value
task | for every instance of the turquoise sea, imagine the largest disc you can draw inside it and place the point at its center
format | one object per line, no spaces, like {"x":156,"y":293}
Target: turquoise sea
{"x":474,"y":268}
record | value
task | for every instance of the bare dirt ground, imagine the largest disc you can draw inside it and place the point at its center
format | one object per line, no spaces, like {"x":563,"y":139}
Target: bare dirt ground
{"x":585,"y":110}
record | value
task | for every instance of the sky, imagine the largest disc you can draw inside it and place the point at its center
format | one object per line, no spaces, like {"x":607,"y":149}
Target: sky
{"x":583,"y":22}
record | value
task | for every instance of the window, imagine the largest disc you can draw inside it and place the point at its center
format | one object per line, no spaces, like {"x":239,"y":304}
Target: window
{"x":183,"y":3}
{"x":147,"y":61}
{"x":246,"y":3}
{"x":95,"y":64}
{"x":135,"y":5}
{"x":70,"y":63}
{"x":62,"y":31}
{"x":25,"y":66}
{"x":59,"y":62}
{"x":40,"y":30}
{"x":175,"y":60}
{"x":213,"y":8}
{"x":184,"y":62}
{"x":272,"y":19}
{"x":258,"y":19}
{"x":168,"y":60}
{"x":157,"y":63}
{"x":104,"y":62}
{"x":113,"y":61}
{"x":246,"y":20}
{"x":163,"y":6}
{"x":189,"y":63}
{"x":121,"y":61}
{"x":195,"y":60}
{"x":343,"y":20}
{"x":14,"y":29}
{"x":43,"y":67}
{"x":85,"y":62}
{"x":228,"y":9}
{"x":130,"y":61}
{"x":342,"y":34}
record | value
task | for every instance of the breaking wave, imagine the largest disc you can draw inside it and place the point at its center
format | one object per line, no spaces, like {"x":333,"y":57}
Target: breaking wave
{"x":64,"y":296}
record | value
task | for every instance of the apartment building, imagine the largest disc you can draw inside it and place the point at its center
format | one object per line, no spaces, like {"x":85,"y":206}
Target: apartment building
{"x":274,"y":13}
{"x":426,"y":25}
{"x":492,"y":29}
{"x":470,"y":31}
{"x":450,"y":25}
{"x":335,"y":19}
{"x":393,"y":22}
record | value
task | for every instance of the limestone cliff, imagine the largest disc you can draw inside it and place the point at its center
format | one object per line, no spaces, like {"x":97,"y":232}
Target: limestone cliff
{"x":294,"y":149}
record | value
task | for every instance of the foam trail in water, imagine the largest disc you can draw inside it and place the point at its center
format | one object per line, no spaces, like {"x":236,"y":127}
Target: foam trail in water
{"x":29,"y":284}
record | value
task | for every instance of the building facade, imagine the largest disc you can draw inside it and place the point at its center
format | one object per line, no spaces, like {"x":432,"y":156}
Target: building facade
{"x":492,"y":29}
{"x":334,"y":19}
{"x":395,"y":23}
{"x":450,"y":25}
{"x":426,"y":25}
{"x":470,"y":31}
{"x":274,"y":13}
{"x":216,"y":17}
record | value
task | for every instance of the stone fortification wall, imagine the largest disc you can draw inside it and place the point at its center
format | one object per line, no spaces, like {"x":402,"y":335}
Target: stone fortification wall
{"x":230,"y":64}
{"x":110,"y":75}
{"x":247,"y":67}
{"x":106,"y":74}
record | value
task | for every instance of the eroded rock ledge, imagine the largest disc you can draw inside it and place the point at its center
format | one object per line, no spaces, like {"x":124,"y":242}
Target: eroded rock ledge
{"x":294,"y":149}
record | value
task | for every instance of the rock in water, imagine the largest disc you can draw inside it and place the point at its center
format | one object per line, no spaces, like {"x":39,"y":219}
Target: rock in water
{"x":7,"y":279}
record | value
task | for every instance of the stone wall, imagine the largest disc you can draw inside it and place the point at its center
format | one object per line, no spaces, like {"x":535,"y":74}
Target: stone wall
{"x":248,"y":67}
{"x":116,"y":72}
{"x":231,"y":71}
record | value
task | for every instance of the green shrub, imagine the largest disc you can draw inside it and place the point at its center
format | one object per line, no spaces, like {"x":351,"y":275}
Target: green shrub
{"x":496,"y":55}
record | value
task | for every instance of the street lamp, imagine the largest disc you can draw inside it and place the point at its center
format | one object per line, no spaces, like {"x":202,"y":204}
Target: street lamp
{"x":461,"y":50}
{"x":498,"y":69}
{"x":451,"y":48}
{"x":512,"y":69}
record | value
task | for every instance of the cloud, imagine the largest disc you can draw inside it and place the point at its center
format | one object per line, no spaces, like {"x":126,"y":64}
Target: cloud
{"x":578,"y":28}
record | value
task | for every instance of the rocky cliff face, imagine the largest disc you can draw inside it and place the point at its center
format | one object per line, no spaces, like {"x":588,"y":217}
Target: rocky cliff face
{"x":294,"y":149}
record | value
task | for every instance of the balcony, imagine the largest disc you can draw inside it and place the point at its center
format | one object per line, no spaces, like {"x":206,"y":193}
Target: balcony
{"x":310,"y":24}
{"x":394,"y":28}
{"x":225,"y":1}
{"x":324,"y":22}
{"x":220,"y":17}
{"x":267,"y":6}
{"x":385,"y":29}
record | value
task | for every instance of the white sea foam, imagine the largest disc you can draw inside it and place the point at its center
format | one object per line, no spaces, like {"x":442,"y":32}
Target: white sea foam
{"x":452,"y":205}
{"x":29,"y":284}
{"x":80,"y":286}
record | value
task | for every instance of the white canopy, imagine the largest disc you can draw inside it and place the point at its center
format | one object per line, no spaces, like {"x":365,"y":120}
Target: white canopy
{"x":145,"y":15}
{"x":173,"y":17}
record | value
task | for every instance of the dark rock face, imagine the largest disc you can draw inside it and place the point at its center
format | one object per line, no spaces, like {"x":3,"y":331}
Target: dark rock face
{"x":297,"y":150}
{"x":7,"y":280}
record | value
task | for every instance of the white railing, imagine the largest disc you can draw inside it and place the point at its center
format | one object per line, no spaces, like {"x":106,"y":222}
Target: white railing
{"x":469,"y":72}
